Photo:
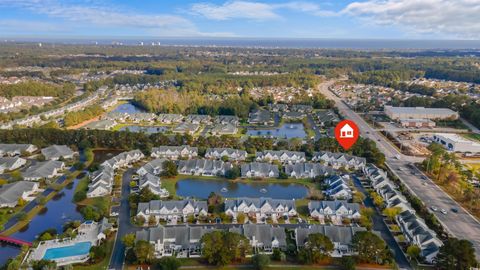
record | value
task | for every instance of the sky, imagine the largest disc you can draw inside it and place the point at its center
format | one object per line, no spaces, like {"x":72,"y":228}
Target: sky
{"x":345,"y":19}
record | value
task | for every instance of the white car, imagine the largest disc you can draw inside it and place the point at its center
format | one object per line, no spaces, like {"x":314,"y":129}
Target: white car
{"x":443,"y":211}
{"x":435,"y":209}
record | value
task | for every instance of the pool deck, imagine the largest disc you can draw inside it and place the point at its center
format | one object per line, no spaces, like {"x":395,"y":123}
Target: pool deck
{"x":85,"y":235}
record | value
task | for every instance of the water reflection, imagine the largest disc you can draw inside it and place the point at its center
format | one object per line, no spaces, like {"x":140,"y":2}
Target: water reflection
{"x":286,"y":131}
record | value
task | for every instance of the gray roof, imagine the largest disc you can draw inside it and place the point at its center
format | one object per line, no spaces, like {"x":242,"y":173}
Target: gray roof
{"x":8,"y":162}
{"x":230,"y":152}
{"x":259,"y":202}
{"x":206,"y":166}
{"x":333,"y":205}
{"x":186,"y":127}
{"x":260,"y":116}
{"x":338,"y":157}
{"x":265,"y":233}
{"x":155,"y":166}
{"x":226,"y":119}
{"x":42,"y":169}
{"x":101,"y":124}
{"x":279,"y":153}
{"x":57,"y":151}
{"x":10,"y":193}
{"x":337,"y":234}
{"x":15,"y":148}
{"x":308,"y":170}
{"x":180,"y":204}
{"x":260,"y":168}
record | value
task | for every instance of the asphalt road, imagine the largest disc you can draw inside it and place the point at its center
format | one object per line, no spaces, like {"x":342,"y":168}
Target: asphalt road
{"x":124,"y":225}
{"x":460,"y":225}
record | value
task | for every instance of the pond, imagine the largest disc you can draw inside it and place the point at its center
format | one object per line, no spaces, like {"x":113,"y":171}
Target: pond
{"x":128,"y":108}
{"x":201,"y":188}
{"x":286,"y":131}
{"x":145,"y":129}
{"x":55,"y":214}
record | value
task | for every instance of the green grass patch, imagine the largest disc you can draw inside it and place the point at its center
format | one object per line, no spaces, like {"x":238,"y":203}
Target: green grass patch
{"x":472,"y":136}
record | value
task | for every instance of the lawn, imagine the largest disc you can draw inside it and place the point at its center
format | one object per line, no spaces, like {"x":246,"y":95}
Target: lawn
{"x":472,"y":136}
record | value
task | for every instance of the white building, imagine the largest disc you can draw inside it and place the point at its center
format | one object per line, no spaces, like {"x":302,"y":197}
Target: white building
{"x":456,"y":143}
{"x":397,"y":113}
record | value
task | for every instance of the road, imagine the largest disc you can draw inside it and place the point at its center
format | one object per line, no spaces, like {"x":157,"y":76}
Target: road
{"x":460,"y":225}
{"x":380,"y":226}
{"x":124,"y":225}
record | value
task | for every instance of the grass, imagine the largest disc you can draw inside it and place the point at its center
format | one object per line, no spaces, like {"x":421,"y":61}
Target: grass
{"x":102,"y":265}
{"x":472,"y":136}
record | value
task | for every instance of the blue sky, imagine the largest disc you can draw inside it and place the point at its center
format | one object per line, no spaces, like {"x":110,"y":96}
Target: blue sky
{"x":392,"y":19}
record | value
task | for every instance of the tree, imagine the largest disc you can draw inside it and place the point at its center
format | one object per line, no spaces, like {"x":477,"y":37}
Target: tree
{"x":391,"y":212}
{"x":366,"y":215}
{"x":370,"y":247}
{"x":233,"y":173}
{"x":140,"y":220}
{"x":316,"y":249}
{"x":90,"y":213}
{"x":13,"y":264}
{"x":44,"y":265}
{"x":167,"y":263}
{"x":260,"y":261}
{"x":222,"y":247}
{"x":241,"y":218}
{"x":413,"y":251}
{"x":129,"y":240}
{"x":169,"y":169}
{"x":97,"y":253}
{"x":347,"y":263}
{"x":144,"y":251}
{"x":456,"y":254}
{"x":152,"y":220}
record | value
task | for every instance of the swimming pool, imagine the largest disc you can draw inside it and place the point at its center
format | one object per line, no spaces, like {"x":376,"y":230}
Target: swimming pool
{"x":77,"y":249}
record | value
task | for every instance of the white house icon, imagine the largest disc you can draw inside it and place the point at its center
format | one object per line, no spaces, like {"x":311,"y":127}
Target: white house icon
{"x":346,"y":131}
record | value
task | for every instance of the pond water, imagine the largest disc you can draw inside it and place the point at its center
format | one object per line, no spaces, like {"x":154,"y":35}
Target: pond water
{"x":200,"y":189}
{"x":286,"y":131}
{"x":145,"y":129}
{"x":55,"y":214}
{"x":128,"y":108}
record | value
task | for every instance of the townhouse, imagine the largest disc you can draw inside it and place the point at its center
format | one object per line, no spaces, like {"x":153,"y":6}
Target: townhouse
{"x":326,"y":118}
{"x":153,"y":183}
{"x":184,"y":241}
{"x":338,"y":187}
{"x":171,"y":210}
{"x":282,"y":156}
{"x":143,"y":117}
{"x":259,"y":170}
{"x":340,"y":236}
{"x":205,"y":167}
{"x":56,"y":152}
{"x":175,"y":152}
{"x":230,"y":153}
{"x":338,"y":160}
{"x":43,"y":170}
{"x":226,"y":119}
{"x":186,"y":128}
{"x":17,"y":149}
{"x":11,"y":193}
{"x":336,"y":210}
{"x":260,"y":117}
{"x":223,"y":129}
{"x":11,"y":163}
{"x":260,"y":207}
{"x":154,"y":167}
{"x":169,"y":118}
{"x":198,"y":119}
{"x":307,"y":170}
{"x":301,"y":108}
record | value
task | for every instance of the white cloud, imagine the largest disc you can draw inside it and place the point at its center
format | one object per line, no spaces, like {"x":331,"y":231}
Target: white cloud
{"x":90,"y":14}
{"x":258,"y":11}
{"x":455,"y":18}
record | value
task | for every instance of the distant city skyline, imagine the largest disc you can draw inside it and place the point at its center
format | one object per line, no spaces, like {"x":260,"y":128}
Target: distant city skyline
{"x":360,"y":19}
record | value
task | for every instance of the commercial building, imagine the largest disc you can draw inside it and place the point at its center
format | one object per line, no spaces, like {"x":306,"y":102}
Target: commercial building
{"x":397,"y":113}
{"x":456,"y":143}
{"x":417,"y":123}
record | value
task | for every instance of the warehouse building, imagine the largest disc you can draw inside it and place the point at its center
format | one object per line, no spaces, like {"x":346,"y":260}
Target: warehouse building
{"x":456,"y":143}
{"x":397,"y":113}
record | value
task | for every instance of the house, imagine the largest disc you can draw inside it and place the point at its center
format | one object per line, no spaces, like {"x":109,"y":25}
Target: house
{"x":294,"y":116}
{"x":11,"y":163}
{"x":124,"y":159}
{"x":175,"y":152}
{"x":56,"y":152}
{"x":154,"y":167}
{"x":338,"y":187}
{"x":346,"y":131}
{"x":186,"y":128}
{"x":11,"y":193}
{"x":278,"y":107}
{"x":301,"y":108}
{"x":153,"y":183}
{"x":223,"y":129}
{"x":205,"y":167}
{"x":43,"y":170}
{"x":327,"y":118}
{"x":183,"y":241}
{"x":336,"y":211}
{"x":170,"y":118}
{"x":259,"y":170}
{"x":230,"y":153}
{"x":260,"y":117}
{"x":171,"y":210}
{"x":16,"y":149}
{"x":226,"y":119}
{"x":307,"y":170}
{"x":283,"y":156}
{"x":105,"y":124}
{"x":260,"y":207}
{"x":417,"y":233}
{"x":340,"y":236}
{"x":143,"y":117}
{"x":338,"y":160}
{"x":198,"y":119}
{"x":264,"y":238}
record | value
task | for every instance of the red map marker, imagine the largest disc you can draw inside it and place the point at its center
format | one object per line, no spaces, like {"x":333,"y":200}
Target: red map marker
{"x":346,"y":133}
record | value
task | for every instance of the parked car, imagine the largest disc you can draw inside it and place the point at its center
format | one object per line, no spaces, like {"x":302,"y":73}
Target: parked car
{"x":443,"y":211}
{"x":434,"y":208}
{"x":455,"y":210}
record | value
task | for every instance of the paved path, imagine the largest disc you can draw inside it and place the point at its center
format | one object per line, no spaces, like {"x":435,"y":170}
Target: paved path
{"x":124,"y":225}
{"x":461,"y":225}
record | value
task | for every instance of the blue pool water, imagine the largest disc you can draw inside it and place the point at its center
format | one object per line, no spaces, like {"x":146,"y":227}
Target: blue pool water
{"x":81,"y":248}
